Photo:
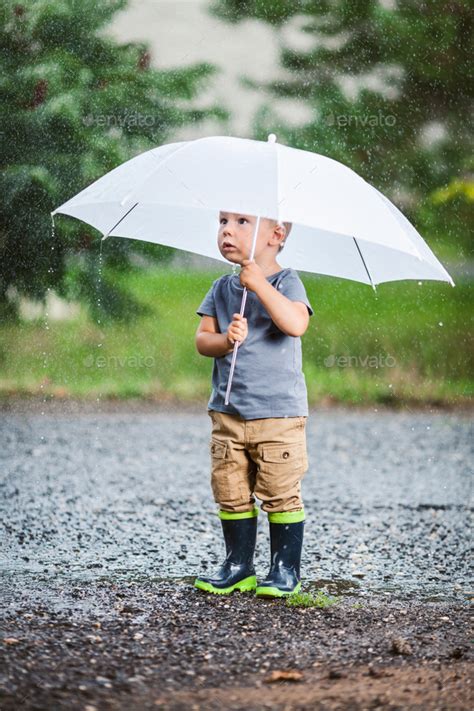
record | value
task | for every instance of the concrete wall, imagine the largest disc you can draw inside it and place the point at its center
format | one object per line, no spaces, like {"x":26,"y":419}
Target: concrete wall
{"x":182,"y":33}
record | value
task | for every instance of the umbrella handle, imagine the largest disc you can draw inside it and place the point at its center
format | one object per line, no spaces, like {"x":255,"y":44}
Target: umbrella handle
{"x":234,"y":352}
{"x":242,"y":309}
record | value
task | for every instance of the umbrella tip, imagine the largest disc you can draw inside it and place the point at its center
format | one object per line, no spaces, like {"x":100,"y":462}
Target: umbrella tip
{"x":271,"y":138}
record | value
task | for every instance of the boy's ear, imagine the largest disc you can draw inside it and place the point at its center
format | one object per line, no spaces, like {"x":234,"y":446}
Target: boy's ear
{"x":277,"y":230}
{"x":280,"y":230}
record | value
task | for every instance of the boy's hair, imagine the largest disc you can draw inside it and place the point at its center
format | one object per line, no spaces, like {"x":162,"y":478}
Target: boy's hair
{"x":287,"y":226}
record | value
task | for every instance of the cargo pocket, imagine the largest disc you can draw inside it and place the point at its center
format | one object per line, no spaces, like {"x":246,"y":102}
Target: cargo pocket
{"x":281,"y":467}
{"x":226,"y":483}
{"x":218,"y":449}
{"x":286,"y":455}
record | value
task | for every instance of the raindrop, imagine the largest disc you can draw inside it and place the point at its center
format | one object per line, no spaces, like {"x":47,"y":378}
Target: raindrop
{"x":440,"y":323}
{"x":99,"y":287}
{"x":44,"y":380}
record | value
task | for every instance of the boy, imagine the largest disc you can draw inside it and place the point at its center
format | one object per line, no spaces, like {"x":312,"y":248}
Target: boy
{"x":258,"y":441}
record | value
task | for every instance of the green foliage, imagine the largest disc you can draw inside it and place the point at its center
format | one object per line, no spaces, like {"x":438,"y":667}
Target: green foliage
{"x":319,"y":599}
{"x":390,"y":95}
{"x":447,"y":213}
{"x":275,"y":12}
{"x":73,"y":105}
{"x":85,"y":283}
{"x":408,"y":329}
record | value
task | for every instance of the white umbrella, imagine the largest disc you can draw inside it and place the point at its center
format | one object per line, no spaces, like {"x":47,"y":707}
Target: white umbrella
{"x":342,"y":226}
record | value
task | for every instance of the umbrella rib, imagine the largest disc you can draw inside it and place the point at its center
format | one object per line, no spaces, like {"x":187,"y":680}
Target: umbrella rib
{"x":365,"y":265}
{"x":118,"y":223}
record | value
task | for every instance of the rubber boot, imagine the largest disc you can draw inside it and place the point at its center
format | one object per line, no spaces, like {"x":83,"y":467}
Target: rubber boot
{"x":286,"y":540}
{"x":237,"y":572}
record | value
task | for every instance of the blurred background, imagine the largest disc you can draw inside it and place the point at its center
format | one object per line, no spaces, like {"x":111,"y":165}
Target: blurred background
{"x":380,"y":85}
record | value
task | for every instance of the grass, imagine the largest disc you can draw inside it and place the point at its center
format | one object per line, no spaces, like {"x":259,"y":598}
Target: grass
{"x":318,"y":599}
{"x":409,"y":343}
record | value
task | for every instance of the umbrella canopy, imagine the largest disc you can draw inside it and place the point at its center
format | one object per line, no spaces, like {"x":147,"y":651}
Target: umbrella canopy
{"x":342,"y":226}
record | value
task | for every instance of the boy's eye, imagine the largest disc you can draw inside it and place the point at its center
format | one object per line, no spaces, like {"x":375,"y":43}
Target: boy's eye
{"x":241,"y":220}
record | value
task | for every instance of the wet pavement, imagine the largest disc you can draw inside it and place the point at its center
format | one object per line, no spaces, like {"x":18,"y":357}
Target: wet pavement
{"x":147,"y":645}
{"x":108,"y":517}
{"x":119,"y":496}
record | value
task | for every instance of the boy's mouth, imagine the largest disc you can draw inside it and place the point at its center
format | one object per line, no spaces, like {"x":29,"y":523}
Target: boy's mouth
{"x":228,"y":246}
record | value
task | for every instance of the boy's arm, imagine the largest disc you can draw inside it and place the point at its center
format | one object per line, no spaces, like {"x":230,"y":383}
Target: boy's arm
{"x":291,"y":317}
{"x":210,"y":341}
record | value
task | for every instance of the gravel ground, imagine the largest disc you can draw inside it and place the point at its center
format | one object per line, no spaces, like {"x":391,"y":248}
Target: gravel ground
{"x":109,"y":516}
{"x":162,"y":644}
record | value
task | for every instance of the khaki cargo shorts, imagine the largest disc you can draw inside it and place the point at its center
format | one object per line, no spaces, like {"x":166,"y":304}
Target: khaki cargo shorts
{"x":265,"y":458}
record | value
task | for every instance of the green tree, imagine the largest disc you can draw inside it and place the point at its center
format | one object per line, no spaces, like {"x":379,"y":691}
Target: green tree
{"x":405,"y":126}
{"x":74,"y":104}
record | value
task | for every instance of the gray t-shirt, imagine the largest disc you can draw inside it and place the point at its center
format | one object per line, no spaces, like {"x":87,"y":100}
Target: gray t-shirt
{"x":268,"y":380}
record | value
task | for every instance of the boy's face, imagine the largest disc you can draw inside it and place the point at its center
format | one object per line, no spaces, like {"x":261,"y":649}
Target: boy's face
{"x":235,"y":234}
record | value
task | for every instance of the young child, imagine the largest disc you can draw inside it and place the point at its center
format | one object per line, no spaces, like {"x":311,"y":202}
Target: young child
{"x":258,"y":441}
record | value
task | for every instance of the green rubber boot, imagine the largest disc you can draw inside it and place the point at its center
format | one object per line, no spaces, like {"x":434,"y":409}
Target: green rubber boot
{"x":237,"y":572}
{"x":286,"y":539}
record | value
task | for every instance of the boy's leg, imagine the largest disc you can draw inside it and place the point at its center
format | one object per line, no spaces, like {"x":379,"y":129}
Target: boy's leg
{"x":232,"y":469}
{"x":278,"y":448}
{"x":237,"y":572}
{"x":286,"y":542}
{"x":281,"y":458}
{"x":231,"y":481}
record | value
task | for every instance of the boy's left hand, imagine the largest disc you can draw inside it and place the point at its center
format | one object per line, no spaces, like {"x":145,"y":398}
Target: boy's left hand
{"x":251,"y":275}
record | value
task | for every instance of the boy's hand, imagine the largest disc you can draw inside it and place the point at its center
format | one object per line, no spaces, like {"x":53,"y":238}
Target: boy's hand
{"x":237,"y":330}
{"x":251,"y":275}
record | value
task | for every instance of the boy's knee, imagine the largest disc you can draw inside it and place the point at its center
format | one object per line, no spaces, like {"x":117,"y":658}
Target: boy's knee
{"x":288,"y":504}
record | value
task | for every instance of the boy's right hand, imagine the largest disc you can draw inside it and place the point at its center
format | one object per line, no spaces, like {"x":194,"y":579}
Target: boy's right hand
{"x":237,"y":330}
